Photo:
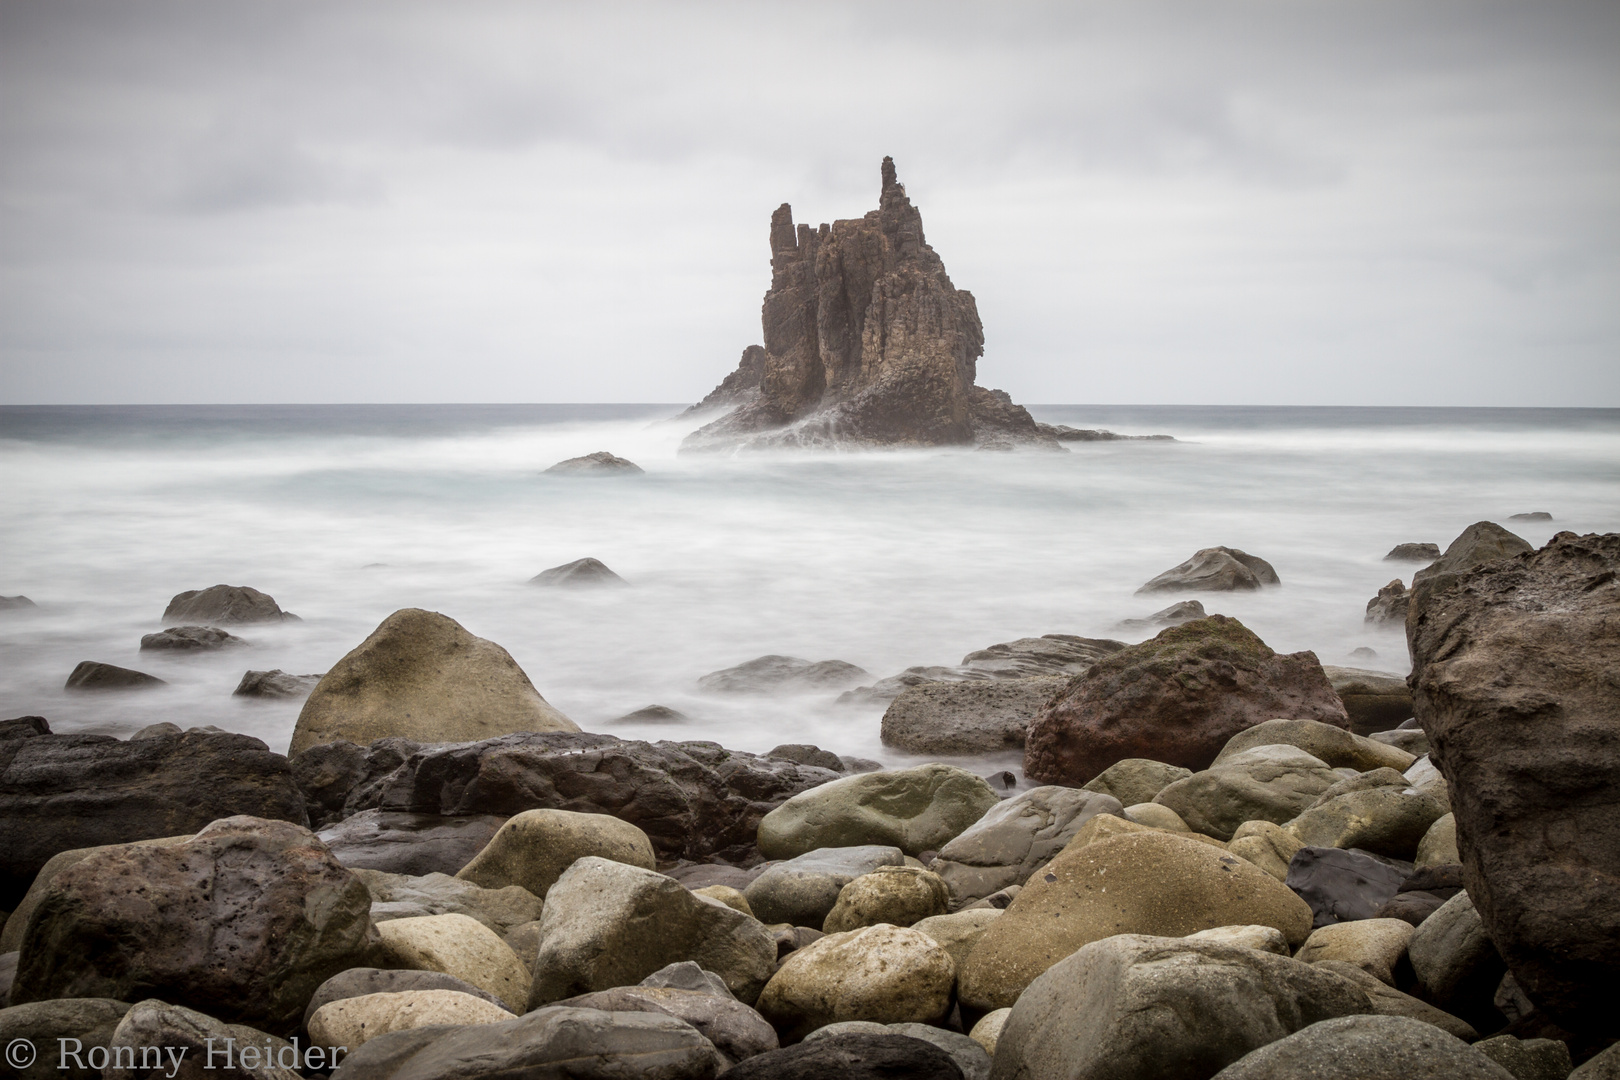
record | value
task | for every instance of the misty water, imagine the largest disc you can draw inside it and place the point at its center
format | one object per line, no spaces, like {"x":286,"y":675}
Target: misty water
{"x":883,"y":559}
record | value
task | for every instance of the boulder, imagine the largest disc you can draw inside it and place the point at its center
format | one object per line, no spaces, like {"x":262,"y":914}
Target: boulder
{"x":802,"y":891}
{"x":156,"y":1039}
{"x":1371,"y":813}
{"x":1174,"y":615}
{"x":886,"y":974}
{"x":340,"y":779}
{"x":23,"y":727}
{"x":409,"y":844}
{"x":1389,"y":606}
{"x":1514,"y":667}
{"x":586,"y":1044}
{"x":1375,"y":946}
{"x":867,"y":342}
{"x":1366,"y":1048}
{"x":363,"y":981}
{"x":1388,"y":1001}
{"x":398,"y":896}
{"x":1341,"y":886}
{"x":897,"y":895}
{"x":579,"y":574}
{"x":775,"y":674}
{"x":1481,"y":544}
{"x":1136,"y":1007}
{"x":65,"y":792}
{"x":652,"y":714}
{"x":807,"y":754}
{"x":94,"y":675}
{"x":697,"y":876}
{"x":1412,"y":740}
{"x":853,"y":1055}
{"x":1422,"y":553}
{"x":1064,"y":655}
{"x":275,"y":683}
{"x":1602,"y":1066}
{"x":732,"y":898}
{"x":1145,"y":883}
{"x":457,"y":945}
{"x":1155,"y":816}
{"x":189,"y":639}
{"x":1263,"y":783}
{"x":225,"y":604}
{"x":1177,"y":698}
{"x":981,"y":716}
{"x":969,"y":1056}
{"x":354,"y":1021}
{"x":1375,"y":700}
{"x":1015,"y":838}
{"x":1336,"y":747}
{"x":1439,"y":845}
{"x":1216,"y":569}
{"x":533,"y":848}
{"x":596,"y":464}
{"x":919,"y":809}
{"x":421,"y":675}
{"x":1528,"y":1059}
{"x":1265,"y":938}
{"x":608,"y":924}
{"x":960,"y":931}
{"x":736,"y":1031}
{"x":1136,"y":780}
{"x":11,"y":931}
{"x":1457,"y":964}
{"x":987,"y":1032}
{"x":247,"y":918}
{"x":44,"y":1024}
{"x":1266,"y":844}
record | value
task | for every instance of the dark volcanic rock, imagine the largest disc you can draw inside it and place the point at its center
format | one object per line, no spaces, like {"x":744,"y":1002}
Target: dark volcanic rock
{"x":1176,"y":698}
{"x":692,"y":799}
{"x":94,"y":675}
{"x":16,"y":603}
{"x":224,"y":604}
{"x":1389,"y":606}
{"x":414,"y":844}
{"x":599,"y":462}
{"x":190,"y":639}
{"x":579,"y":573}
{"x":245,"y":919}
{"x":275,"y":683}
{"x":1342,"y":886}
{"x":1413,"y":553}
{"x":853,"y":1055}
{"x":771,"y":673}
{"x":1515,"y":665}
{"x":60,"y":792}
{"x":866,"y":342}
{"x":1216,"y":569}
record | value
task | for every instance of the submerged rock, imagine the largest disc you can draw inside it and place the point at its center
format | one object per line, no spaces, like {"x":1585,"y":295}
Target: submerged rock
{"x":190,"y":639}
{"x":1533,"y":515}
{"x":94,"y":675}
{"x":1065,"y":433}
{"x":16,"y":603}
{"x":1174,"y":615}
{"x":225,"y":604}
{"x":581,"y":573}
{"x":653,"y":714}
{"x":1366,"y":1048}
{"x":275,"y":683}
{"x":768,"y":674}
{"x":1389,"y":606}
{"x":599,"y":462}
{"x":867,"y":342}
{"x":1413,"y":553}
{"x":1216,"y":569}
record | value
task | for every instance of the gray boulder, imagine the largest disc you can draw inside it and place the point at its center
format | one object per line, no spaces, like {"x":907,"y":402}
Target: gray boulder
{"x":275,"y":683}
{"x":225,"y":604}
{"x":1366,"y":1048}
{"x":1376,"y":811}
{"x":11,"y":932}
{"x":398,"y":842}
{"x":1136,"y":780}
{"x":1174,"y":615}
{"x":736,"y":1031}
{"x":579,"y":574}
{"x":1413,"y":553}
{"x":982,"y":716}
{"x":1457,"y":964}
{"x":1263,"y":783}
{"x":173,"y":1034}
{"x":803,"y":890}
{"x":1388,"y":1001}
{"x":94,"y":675}
{"x":1528,"y":1059}
{"x":1342,"y":886}
{"x":397,"y":896}
{"x":44,"y":1024}
{"x":1014,"y":839}
{"x":360,"y":981}
{"x":776,"y":674}
{"x":189,"y":639}
{"x":1216,"y":569}
{"x":919,"y":809}
{"x":807,"y":754}
{"x":1335,"y":746}
{"x":687,"y":975}
{"x":859,"y":1054}
{"x":969,"y":1056}
{"x":599,"y":463}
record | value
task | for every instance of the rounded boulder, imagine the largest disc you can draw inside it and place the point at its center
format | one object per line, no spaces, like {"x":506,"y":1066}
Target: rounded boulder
{"x":533,"y":848}
{"x":915,"y":810}
{"x":885,"y":974}
{"x":898,"y":895}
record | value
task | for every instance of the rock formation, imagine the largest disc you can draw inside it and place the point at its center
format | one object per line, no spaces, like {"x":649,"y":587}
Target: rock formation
{"x":867,"y":342}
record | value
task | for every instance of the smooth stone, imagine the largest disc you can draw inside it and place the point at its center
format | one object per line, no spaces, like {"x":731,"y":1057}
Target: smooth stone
{"x":157,"y":1030}
{"x":457,"y":945}
{"x":1457,"y":964}
{"x":959,"y":932}
{"x":1215,"y":569}
{"x":1413,"y":741}
{"x":1439,"y":844}
{"x":736,"y":1031}
{"x":276,"y":684}
{"x":1333,"y":746}
{"x":398,"y":896}
{"x":524,"y":940}
{"x":987,"y":1032}
{"x":1265,"y":938}
{"x":1388,"y":1001}
{"x":1263,"y":783}
{"x":732,"y":898}
{"x":189,"y":639}
{"x":918,"y":809}
{"x":897,"y":895}
{"x":852,"y":1055}
{"x":354,"y":1021}
{"x":1267,"y":845}
{"x":1387,"y":819}
{"x":44,"y":1023}
{"x":886,"y":974}
{"x":1156,"y":816}
{"x":1015,"y":838}
{"x":422,"y":676}
{"x":770,"y":674}
{"x":977,"y":717}
{"x":601,"y":461}
{"x":579,"y":574}
{"x":969,"y":1056}
{"x":687,"y":975}
{"x":1375,"y":946}
{"x":1136,"y":780}
{"x":802,"y":891}
{"x":93,"y":675}
{"x":359,"y":982}
{"x":1366,"y":1048}
{"x":533,"y":848}
{"x":415,"y":845}
{"x":1341,"y":886}
{"x":224,"y":604}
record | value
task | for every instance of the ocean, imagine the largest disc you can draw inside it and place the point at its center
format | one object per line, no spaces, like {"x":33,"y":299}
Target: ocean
{"x":346,"y":513}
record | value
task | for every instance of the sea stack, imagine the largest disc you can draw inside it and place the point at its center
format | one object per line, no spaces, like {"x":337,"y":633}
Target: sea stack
{"x":867,"y":342}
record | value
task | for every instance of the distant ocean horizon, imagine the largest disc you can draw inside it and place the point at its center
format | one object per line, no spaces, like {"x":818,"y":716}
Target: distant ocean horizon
{"x":884,"y":559}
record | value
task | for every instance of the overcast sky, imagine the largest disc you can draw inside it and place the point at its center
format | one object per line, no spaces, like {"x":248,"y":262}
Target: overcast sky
{"x":1286,"y":202}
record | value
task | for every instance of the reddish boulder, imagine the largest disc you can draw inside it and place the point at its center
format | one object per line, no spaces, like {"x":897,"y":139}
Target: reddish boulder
{"x":1515,"y":665}
{"x":1176,"y":698}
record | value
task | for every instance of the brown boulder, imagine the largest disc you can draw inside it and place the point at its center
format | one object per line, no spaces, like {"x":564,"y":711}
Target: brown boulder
{"x":1176,"y":698}
{"x":1515,"y":665}
{"x":1215,"y":569}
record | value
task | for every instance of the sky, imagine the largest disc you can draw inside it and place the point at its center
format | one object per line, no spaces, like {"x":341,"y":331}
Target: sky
{"x":1290,"y":202}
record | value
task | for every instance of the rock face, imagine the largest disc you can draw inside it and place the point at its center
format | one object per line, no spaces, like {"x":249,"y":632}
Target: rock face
{"x":579,"y":574}
{"x":246,"y":919}
{"x":916,"y":810}
{"x":1216,"y":569}
{"x":94,"y":675}
{"x":1135,"y":1007}
{"x":597,"y":463}
{"x":1176,"y":698}
{"x":1481,"y":543}
{"x":225,"y":604}
{"x":190,"y":639}
{"x":976,"y":717}
{"x":62,"y":792}
{"x":422,"y":676}
{"x":1514,"y":668}
{"x":1015,"y":838}
{"x":867,"y":342}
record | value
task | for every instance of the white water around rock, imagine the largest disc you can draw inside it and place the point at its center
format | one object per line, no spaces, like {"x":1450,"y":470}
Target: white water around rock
{"x":884,"y":559}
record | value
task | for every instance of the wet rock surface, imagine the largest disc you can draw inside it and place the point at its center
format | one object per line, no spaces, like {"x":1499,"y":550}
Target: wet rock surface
{"x":190,"y":639}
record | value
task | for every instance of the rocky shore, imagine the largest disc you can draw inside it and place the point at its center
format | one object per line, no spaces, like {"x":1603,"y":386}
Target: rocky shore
{"x":1235,"y":863}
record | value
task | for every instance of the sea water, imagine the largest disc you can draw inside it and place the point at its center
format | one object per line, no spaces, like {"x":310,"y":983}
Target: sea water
{"x":883,"y":559}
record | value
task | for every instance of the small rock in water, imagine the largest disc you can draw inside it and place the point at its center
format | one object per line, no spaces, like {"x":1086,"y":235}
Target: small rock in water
{"x":15,"y":603}
{"x":24,"y":727}
{"x":1362,"y":652}
{"x":769,"y":673}
{"x":275,"y":684}
{"x":1215,"y":569}
{"x":1413,"y":553}
{"x":1174,"y":615}
{"x":1390,"y":605}
{"x":190,"y":638}
{"x":225,"y":604}
{"x":1065,"y":433}
{"x":1534,"y":515}
{"x":599,"y":462}
{"x":653,"y":714}
{"x":92,"y":675}
{"x":579,"y":573}
{"x":1005,"y":780}
{"x":807,"y":754}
